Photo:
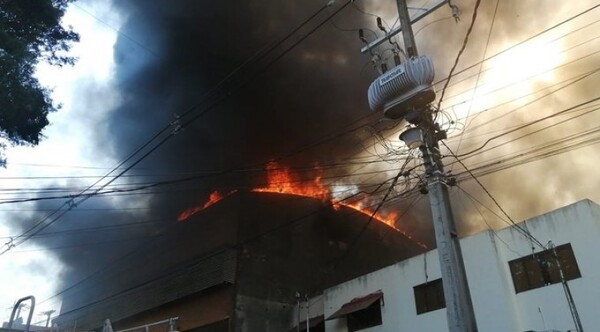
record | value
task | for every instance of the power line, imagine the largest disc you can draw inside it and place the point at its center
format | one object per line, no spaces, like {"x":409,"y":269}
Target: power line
{"x":431,"y":23}
{"x":40,"y":225}
{"x":290,"y":223}
{"x":118,"y":31}
{"x":496,"y":235}
{"x":485,"y":49}
{"x":573,"y":80}
{"x":510,"y":84}
{"x":522,"y":42}
{"x":171,"y":182}
{"x":460,"y":52}
{"x":536,"y":131}
{"x":379,"y":205}
{"x":91,"y":229}
{"x":474,"y":136}
{"x":557,"y":146}
{"x":564,"y":50}
{"x":85,"y":245}
{"x":537,"y":153}
{"x":527,"y":125}
{"x":298,"y":168}
{"x":475,"y":64}
{"x":523,"y":231}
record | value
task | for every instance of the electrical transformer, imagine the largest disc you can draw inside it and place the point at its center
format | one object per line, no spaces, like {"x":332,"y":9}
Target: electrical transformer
{"x":402,"y":89}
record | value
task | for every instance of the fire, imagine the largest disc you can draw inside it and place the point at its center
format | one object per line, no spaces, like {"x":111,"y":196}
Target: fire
{"x":282,"y":181}
{"x":214,"y":198}
{"x":388,"y":219}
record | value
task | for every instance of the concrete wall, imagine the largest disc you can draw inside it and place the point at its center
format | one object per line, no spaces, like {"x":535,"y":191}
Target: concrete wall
{"x":578,"y":224}
{"x":202,"y":309}
{"x":315,"y":308}
{"x":486,"y":255}
{"x":254,"y":314}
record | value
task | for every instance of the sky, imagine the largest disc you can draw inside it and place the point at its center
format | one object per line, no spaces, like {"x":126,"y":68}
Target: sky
{"x":164,"y":57}
{"x":34,"y":270}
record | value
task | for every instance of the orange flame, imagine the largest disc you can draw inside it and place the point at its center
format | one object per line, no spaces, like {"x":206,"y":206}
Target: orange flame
{"x":214,"y":198}
{"x":282,"y":181}
{"x":389,"y":219}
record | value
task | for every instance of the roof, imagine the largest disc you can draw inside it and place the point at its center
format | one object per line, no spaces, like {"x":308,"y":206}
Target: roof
{"x":294,"y":257}
{"x":357,"y":304}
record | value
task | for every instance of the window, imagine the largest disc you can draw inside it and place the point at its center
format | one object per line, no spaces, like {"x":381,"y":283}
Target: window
{"x":361,"y":312}
{"x":541,"y":269}
{"x":429,"y":296}
{"x":362,"y":319}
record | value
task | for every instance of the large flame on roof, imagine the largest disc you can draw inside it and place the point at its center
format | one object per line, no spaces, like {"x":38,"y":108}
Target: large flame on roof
{"x":281,"y":180}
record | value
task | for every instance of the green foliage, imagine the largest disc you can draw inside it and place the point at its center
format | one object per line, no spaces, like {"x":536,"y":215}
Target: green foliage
{"x":30,"y":32}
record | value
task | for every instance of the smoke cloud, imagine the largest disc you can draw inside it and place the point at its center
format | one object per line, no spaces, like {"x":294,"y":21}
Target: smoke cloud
{"x":171,"y":53}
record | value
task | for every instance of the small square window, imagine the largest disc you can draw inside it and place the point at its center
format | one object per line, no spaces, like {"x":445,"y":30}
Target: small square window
{"x":429,"y":296}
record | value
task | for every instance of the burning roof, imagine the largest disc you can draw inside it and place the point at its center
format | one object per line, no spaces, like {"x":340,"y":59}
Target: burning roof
{"x":280,"y":180}
{"x":283,"y":242}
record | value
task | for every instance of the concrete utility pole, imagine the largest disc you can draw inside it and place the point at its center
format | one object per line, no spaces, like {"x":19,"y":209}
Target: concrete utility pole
{"x":566,"y":288}
{"x":459,"y":307}
{"x":48,"y":315}
{"x":298,"y":316}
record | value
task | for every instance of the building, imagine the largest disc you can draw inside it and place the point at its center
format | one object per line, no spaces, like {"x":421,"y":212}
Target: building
{"x":512,"y":287}
{"x":237,"y":266}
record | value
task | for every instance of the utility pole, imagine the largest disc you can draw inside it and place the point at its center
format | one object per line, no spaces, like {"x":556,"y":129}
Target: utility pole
{"x":398,"y":100}
{"x":48,"y":315}
{"x":566,"y":288}
{"x":407,"y":32}
{"x":307,"y":313}
{"x":459,"y":308}
{"x":298,"y":316}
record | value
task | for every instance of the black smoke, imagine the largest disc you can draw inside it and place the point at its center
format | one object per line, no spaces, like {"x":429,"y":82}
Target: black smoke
{"x":170,"y":55}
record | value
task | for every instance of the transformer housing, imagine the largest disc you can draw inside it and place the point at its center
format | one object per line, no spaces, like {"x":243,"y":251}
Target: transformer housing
{"x":404,"y":88}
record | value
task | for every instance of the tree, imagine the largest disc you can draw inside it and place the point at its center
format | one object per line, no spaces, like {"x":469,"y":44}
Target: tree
{"x":30,"y":32}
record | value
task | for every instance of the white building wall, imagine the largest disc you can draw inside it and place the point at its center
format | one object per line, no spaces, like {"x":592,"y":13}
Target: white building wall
{"x":314,"y":306}
{"x":578,"y":224}
{"x":486,"y":256}
{"x":396,"y":282}
{"x":491,"y":292}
